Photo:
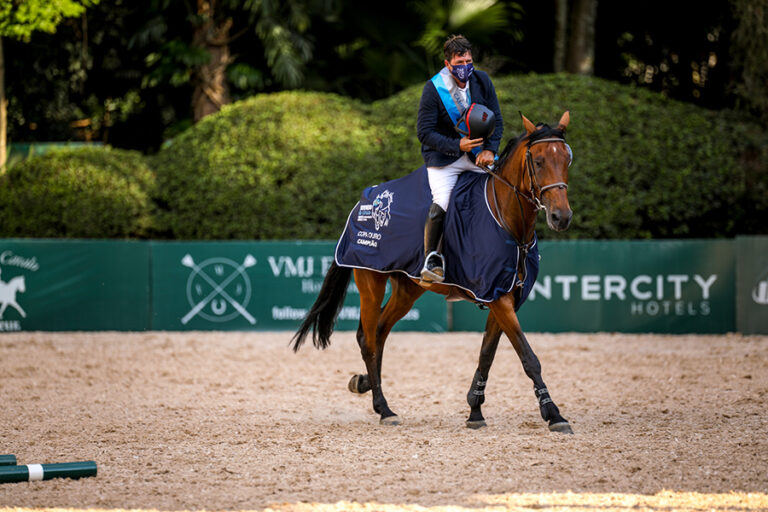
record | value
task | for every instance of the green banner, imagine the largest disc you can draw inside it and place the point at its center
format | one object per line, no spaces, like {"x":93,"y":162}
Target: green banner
{"x":255,"y":286}
{"x":586,"y":286}
{"x":626,"y":286}
{"x":55,"y":285}
{"x":752,"y":285}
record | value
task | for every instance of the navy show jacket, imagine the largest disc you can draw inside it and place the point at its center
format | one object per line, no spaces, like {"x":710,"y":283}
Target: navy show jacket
{"x":435,"y":130}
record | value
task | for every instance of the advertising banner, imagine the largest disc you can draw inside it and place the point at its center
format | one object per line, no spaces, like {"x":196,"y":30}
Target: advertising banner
{"x":54,"y":285}
{"x":255,"y":286}
{"x":671,"y":286}
{"x":752,"y":285}
{"x":626,"y":286}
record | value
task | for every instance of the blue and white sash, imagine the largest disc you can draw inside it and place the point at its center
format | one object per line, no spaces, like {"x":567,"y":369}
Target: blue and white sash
{"x":452,"y":98}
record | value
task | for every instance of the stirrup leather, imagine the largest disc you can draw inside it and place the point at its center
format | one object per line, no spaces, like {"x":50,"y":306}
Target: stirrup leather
{"x":430,"y":276}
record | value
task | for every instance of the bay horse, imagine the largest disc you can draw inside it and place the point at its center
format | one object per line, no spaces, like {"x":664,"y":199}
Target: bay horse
{"x":532,"y":175}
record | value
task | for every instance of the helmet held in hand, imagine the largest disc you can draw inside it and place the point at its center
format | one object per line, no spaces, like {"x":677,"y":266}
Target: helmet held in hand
{"x":480,"y":122}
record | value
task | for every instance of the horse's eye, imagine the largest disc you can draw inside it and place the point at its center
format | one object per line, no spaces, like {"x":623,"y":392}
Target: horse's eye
{"x":538,"y":163}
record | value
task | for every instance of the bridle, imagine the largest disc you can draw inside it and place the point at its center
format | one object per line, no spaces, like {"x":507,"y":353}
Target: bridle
{"x":529,"y":163}
{"x":534,"y":198}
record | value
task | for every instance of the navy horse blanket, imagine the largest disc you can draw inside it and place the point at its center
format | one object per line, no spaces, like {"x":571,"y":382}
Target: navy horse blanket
{"x":385,"y":233}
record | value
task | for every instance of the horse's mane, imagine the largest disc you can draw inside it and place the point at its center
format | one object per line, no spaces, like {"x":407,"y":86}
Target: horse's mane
{"x":542,"y":131}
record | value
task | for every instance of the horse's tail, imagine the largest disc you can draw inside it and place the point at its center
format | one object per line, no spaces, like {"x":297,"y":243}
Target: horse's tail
{"x":322,"y":316}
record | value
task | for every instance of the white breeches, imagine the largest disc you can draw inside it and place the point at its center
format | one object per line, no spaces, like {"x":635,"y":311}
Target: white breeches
{"x":443,"y":179}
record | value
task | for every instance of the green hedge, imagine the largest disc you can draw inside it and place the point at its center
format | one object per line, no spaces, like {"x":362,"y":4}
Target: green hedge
{"x":291,"y":165}
{"x":78,"y":193}
{"x":282,"y":165}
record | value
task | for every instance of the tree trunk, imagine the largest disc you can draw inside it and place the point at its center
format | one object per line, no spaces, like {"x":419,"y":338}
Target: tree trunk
{"x":561,"y":35}
{"x":3,"y":112}
{"x":211,"y":89}
{"x":581,"y":49}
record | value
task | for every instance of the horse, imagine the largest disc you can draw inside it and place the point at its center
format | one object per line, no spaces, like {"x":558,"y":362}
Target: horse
{"x":8,"y":294}
{"x":532,"y":172}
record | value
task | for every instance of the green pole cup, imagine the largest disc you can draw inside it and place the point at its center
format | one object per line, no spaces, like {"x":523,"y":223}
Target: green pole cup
{"x":37,"y":472}
{"x":7,"y":460}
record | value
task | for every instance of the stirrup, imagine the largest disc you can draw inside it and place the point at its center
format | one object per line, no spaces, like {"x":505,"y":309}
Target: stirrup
{"x":429,"y":276}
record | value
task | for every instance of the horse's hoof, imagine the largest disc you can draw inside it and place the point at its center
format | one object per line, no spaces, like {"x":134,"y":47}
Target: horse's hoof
{"x":390,"y":420}
{"x":563,"y":427}
{"x":354,"y":384}
{"x":474,"y":425}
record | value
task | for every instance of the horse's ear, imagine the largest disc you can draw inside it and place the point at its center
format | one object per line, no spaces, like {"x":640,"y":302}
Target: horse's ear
{"x":563,"y":124}
{"x":529,"y":126}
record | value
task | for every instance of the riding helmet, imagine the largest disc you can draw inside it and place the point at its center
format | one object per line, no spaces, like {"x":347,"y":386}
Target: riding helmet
{"x":479,"y":120}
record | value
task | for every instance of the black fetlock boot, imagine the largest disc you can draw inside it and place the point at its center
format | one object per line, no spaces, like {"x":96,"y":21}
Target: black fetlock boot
{"x":433,"y":271}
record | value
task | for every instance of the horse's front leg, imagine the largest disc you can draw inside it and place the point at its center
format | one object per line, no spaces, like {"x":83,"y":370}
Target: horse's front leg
{"x":372,"y":286}
{"x":504,"y":311}
{"x":476,"y":394}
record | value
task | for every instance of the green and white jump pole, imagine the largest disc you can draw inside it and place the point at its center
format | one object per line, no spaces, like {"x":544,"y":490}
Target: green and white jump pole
{"x":37,"y":472}
{"x":7,"y":460}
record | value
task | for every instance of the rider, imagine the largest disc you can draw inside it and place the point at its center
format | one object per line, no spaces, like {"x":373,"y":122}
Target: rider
{"x":446,"y":153}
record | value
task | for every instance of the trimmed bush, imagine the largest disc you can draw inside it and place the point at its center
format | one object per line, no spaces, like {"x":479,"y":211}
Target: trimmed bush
{"x":78,"y":193}
{"x":284,"y":165}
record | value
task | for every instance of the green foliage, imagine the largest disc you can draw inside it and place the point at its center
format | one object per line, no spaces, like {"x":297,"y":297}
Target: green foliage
{"x":292,"y":165}
{"x":285,"y":165}
{"x":19,"y":19}
{"x":644,"y":166}
{"x":750,"y":52}
{"x":478,"y":21}
{"x":78,"y":193}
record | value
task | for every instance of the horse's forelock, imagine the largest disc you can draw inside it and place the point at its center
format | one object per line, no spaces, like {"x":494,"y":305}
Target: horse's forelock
{"x":542,"y":131}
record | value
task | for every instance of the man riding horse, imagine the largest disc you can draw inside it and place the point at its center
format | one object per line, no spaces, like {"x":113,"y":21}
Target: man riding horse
{"x":458,"y":93}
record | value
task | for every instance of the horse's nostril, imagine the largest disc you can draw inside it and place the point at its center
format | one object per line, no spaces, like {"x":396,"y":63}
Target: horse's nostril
{"x":555,"y":217}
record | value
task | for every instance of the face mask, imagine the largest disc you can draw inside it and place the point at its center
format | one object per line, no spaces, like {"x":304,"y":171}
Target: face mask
{"x":462,"y":72}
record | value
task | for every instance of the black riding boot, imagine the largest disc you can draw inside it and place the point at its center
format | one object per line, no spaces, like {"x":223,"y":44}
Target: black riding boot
{"x":433,"y":271}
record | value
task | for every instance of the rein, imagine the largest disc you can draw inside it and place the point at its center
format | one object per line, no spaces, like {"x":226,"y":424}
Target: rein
{"x":534,"y":198}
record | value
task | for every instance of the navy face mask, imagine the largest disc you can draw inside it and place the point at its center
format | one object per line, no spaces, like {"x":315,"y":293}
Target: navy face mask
{"x":462,"y":72}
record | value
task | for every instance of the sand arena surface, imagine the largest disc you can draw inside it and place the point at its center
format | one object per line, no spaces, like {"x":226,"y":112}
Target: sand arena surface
{"x":236,"y":421}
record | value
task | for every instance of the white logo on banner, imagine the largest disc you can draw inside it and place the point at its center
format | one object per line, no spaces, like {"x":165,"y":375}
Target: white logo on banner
{"x":8,"y":295}
{"x":218,"y":289}
{"x":13,"y":286}
{"x":671,"y":294}
{"x":760,"y":292}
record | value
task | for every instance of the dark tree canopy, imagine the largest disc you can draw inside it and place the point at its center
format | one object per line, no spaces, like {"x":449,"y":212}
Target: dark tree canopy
{"x":126,"y":72}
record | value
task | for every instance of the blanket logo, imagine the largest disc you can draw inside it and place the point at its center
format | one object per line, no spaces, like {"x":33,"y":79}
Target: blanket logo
{"x":379,"y":210}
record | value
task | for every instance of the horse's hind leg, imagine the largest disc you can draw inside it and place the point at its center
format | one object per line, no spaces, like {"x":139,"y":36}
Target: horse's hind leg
{"x":503,"y":310}
{"x":372,"y":286}
{"x":359,"y":383}
{"x":404,"y":294}
{"x":476,"y":394}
